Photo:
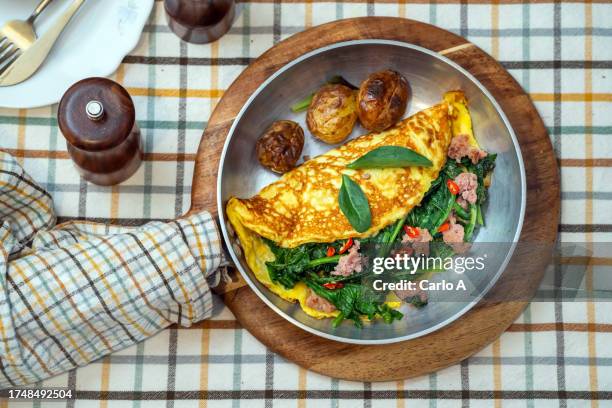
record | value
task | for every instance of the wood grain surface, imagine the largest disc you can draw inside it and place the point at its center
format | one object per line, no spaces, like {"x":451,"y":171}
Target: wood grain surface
{"x":486,"y":321}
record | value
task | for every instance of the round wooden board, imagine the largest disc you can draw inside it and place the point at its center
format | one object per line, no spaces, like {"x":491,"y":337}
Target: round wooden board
{"x":481,"y":325}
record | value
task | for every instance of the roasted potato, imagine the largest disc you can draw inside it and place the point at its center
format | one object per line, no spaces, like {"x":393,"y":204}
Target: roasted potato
{"x":280,"y":147}
{"x":382,"y":100}
{"x":332,"y":113}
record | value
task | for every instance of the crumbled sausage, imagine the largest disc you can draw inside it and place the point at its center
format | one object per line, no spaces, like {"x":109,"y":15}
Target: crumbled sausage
{"x":454,"y":236}
{"x":460,"y":147}
{"x":316,"y":302}
{"x":468,"y":183}
{"x":408,"y":294}
{"x":349,"y":263}
{"x":420,"y":244}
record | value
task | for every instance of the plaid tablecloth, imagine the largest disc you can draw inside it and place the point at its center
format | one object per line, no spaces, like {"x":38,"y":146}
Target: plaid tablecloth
{"x":557,"y":353}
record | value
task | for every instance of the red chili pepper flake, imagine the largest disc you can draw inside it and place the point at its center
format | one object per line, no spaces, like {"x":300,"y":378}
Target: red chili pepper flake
{"x":452,"y":187}
{"x":333,"y":285}
{"x":444,"y":227}
{"x":346,"y":246}
{"x":412,"y":232}
{"x":331,"y":251}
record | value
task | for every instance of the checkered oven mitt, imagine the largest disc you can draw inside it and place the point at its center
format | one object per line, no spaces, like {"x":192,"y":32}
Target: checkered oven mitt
{"x":84,"y":290}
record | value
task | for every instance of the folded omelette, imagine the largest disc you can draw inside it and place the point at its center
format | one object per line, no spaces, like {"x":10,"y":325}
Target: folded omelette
{"x":302,"y":206}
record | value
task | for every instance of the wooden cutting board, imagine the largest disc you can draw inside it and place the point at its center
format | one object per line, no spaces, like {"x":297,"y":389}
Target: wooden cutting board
{"x":481,"y":325}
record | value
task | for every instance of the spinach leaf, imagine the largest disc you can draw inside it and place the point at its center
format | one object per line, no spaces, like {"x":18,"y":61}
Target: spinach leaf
{"x":354,"y":301}
{"x":483,"y":168}
{"x":460,"y":211}
{"x":434,"y":209}
{"x":417,"y":301}
{"x":290,"y":264}
{"x":354,"y":204}
{"x":322,"y":261}
{"x":479,"y":215}
{"x":383,"y":242}
{"x":434,"y":186}
{"x":397,"y":228}
{"x":389,"y":314}
{"x":390,"y":156}
{"x":442,"y":250}
{"x":469,"y":228}
{"x":354,"y":278}
{"x":452,"y":169}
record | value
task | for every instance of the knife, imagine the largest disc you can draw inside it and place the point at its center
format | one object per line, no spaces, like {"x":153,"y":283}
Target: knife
{"x":29,"y":62}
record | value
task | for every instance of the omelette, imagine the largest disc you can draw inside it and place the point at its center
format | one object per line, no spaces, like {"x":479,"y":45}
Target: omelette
{"x":301,"y":209}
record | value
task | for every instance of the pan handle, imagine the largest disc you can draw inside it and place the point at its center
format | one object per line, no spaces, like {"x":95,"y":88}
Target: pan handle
{"x":231,"y":278}
{"x":236,"y":281}
{"x":460,"y":47}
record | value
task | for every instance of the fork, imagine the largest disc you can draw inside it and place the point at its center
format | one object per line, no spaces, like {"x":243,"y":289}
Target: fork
{"x":17,"y":36}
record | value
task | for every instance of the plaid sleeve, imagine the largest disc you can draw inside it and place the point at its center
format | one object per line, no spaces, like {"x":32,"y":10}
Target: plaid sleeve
{"x":198,"y":231}
{"x":85,"y":290}
{"x":24,"y":205}
{"x":66,"y":304}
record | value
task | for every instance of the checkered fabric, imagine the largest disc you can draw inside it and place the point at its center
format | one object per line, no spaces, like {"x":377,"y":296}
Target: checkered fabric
{"x":25,"y":207}
{"x":84,"y":290}
{"x":556,"y":354}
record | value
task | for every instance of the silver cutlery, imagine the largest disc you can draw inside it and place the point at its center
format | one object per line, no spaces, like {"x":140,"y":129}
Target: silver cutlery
{"x":17,"y":36}
{"x":30,"y":55}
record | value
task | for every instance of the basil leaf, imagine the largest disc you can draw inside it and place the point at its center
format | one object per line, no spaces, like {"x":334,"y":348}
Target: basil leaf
{"x":390,"y":156}
{"x":354,"y":204}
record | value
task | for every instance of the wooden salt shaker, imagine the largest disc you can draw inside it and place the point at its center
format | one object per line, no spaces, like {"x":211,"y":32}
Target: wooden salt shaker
{"x":200,"y":21}
{"x":97,"y":118}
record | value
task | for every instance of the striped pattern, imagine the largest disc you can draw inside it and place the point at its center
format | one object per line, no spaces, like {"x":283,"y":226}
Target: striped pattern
{"x":84,"y":290}
{"x":25,"y":207}
{"x":557,"y":354}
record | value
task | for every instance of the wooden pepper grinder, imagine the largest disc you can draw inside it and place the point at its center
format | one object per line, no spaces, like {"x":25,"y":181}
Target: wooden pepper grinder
{"x":97,"y":118}
{"x":200,"y":21}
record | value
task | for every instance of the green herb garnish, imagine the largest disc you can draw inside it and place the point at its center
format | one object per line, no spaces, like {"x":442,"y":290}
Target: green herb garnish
{"x":390,"y":156}
{"x":469,"y":228}
{"x":302,"y":105}
{"x":479,"y":215}
{"x":354,"y":204}
{"x":460,"y":211}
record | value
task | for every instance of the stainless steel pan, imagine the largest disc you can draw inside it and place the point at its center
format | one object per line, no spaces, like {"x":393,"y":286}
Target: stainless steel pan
{"x":430,"y":75}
